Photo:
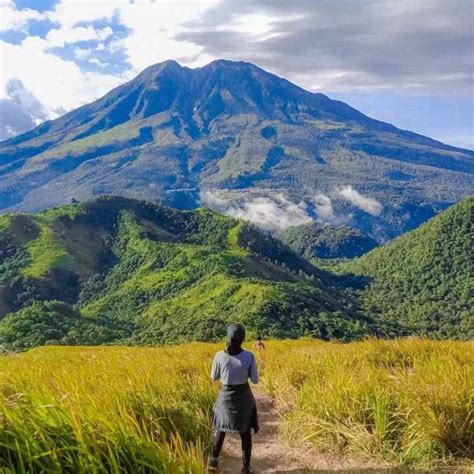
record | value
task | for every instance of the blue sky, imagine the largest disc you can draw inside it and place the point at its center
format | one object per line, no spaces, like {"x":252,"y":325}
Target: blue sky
{"x":409,"y":63}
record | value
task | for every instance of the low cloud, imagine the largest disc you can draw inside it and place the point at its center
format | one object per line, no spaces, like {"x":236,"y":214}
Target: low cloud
{"x":272,"y":213}
{"x":13,"y":18}
{"x":323,"y":208}
{"x":366,"y":204}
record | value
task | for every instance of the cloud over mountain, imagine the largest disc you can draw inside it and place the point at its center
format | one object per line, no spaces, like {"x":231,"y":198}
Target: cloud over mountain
{"x":174,"y":131}
{"x":20,"y":111}
{"x":367,"y":204}
{"x":275,"y":212}
{"x":272,"y":212}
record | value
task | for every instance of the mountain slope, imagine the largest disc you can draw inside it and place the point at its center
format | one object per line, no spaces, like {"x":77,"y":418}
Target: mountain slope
{"x":140,"y":273}
{"x":316,"y":240}
{"x":173,"y":132}
{"x":422,"y":282}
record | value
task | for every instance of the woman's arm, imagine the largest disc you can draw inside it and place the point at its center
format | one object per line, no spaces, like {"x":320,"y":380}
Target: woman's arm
{"x":216,"y":369}
{"x":253,"y":371}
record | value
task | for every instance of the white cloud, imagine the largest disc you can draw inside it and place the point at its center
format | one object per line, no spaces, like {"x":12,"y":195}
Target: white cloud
{"x":251,"y":24}
{"x":60,"y":84}
{"x":82,"y":53}
{"x":56,"y":83}
{"x":155,"y":25}
{"x":20,"y":111}
{"x":418,"y":45}
{"x":12,"y":19}
{"x":367,"y":204}
{"x":95,"y":61}
{"x":59,"y":37}
{"x":104,"y":33}
{"x":323,"y":208}
{"x":273,"y":213}
{"x":215,"y":200}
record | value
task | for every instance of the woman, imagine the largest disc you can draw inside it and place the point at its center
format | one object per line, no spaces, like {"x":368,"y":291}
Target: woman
{"x":235,"y":410}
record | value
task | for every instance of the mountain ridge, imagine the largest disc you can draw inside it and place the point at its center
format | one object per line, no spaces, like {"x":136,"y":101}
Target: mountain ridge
{"x":122,"y":271}
{"x":118,"y":270}
{"x":315,"y":240}
{"x":231,"y":125}
{"x":160,"y":67}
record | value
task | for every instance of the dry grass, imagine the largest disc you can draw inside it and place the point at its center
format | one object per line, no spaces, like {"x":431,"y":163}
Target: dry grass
{"x":140,"y":410}
{"x":106,"y":409}
{"x":407,"y":401}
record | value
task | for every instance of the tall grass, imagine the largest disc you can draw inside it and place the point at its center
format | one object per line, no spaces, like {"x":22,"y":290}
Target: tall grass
{"x":141,"y":410}
{"x":407,"y":401}
{"x":106,"y":410}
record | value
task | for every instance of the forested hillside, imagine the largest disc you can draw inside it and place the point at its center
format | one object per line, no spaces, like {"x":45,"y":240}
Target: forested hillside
{"x":122,"y":270}
{"x":423,"y":282}
{"x":316,"y":240}
{"x":118,"y":270}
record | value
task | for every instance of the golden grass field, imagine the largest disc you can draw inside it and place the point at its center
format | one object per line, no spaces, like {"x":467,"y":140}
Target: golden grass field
{"x":140,"y":410}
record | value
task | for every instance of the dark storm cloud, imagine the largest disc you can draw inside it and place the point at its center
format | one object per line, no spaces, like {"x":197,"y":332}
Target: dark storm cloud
{"x":425,"y":45}
{"x":20,"y":111}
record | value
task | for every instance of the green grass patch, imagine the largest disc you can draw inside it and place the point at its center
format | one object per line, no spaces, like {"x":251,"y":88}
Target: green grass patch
{"x":46,"y":252}
{"x":4,"y":224}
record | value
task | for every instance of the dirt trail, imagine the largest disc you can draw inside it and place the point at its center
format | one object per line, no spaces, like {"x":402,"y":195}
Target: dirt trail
{"x":270,"y":454}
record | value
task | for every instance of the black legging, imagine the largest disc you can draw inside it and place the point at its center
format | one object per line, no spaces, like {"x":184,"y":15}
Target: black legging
{"x":246,"y":446}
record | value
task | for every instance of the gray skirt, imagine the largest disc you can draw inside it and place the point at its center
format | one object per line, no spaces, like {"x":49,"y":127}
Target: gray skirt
{"x":235,"y":410}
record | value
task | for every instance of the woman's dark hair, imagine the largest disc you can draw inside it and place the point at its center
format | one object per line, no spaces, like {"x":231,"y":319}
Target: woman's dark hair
{"x":259,"y":338}
{"x":235,"y":338}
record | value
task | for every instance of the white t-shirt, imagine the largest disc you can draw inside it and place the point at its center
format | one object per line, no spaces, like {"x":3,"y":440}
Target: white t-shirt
{"x":234,"y":369}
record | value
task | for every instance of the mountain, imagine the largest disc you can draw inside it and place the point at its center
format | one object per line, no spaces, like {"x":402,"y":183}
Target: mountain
{"x":173,"y":132}
{"x":422,"y":282}
{"x":121,"y":270}
{"x":316,"y":240}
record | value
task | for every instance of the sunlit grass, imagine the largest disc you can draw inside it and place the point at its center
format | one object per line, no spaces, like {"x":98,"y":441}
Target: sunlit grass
{"x":46,"y":252}
{"x":106,"y":409}
{"x":407,"y":401}
{"x":140,"y":410}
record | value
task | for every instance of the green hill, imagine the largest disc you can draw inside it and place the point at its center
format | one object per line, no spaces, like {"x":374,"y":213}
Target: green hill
{"x":121,"y":270}
{"x":422,"y":282}
{"x":316,"y":240}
